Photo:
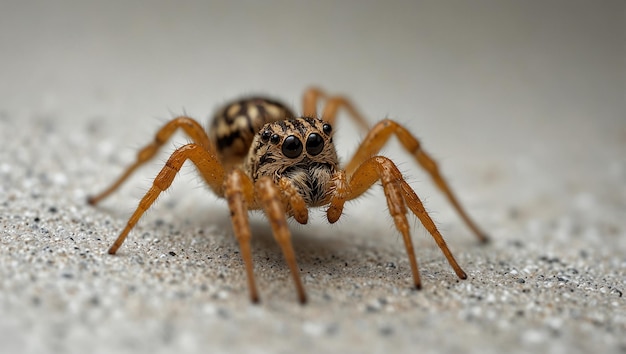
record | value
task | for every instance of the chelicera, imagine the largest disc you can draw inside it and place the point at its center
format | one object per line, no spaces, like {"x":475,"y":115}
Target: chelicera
{"x":258,"y":155}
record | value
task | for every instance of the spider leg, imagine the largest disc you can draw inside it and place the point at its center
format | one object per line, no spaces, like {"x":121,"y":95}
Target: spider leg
{"x":191,"y":127}
{"x":270,"y":198}
{"x":239,"y":191}
{"x":399,"y":195}
{"x":379,"y":135}
{"x":311,"y":98}
{"x":207,"y":164}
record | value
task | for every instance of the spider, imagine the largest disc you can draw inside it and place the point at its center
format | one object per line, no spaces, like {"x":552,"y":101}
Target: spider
{"x":259,"y":155}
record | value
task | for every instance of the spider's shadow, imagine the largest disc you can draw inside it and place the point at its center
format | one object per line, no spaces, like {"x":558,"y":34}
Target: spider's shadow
{"x":303,"y":236}
{"x":310,"y":242}
{"x":315,"y":244}
{"x":317,"y":237}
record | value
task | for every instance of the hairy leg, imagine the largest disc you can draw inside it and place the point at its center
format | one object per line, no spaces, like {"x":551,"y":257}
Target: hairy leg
{"x":311,"y":98}
{"x":207,"y":164}
{"x":239,"y":192}
{"x":191,"y":127}
{"x":380,"y":134}
{"x":270,"y":198}
{"x":399,"y":195}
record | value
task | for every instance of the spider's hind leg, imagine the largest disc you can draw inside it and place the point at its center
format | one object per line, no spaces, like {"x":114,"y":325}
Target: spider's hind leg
{"x":313,"y":95}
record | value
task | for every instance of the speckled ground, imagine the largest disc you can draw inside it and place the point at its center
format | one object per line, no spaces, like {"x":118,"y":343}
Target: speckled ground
{"x":541,"y":168}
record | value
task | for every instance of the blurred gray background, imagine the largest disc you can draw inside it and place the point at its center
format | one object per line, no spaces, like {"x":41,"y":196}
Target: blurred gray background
{"x":505,"y":67}
{"x":522,"y":102}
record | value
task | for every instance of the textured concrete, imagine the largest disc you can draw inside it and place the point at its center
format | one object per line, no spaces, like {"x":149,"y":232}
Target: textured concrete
{"x":522,"y":104}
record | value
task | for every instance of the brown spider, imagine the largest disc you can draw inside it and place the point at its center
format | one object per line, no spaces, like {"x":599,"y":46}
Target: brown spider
{"x":258,"y":155}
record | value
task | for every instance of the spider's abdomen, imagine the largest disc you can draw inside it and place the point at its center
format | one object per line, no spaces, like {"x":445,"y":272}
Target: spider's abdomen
{"x":234,"y":126}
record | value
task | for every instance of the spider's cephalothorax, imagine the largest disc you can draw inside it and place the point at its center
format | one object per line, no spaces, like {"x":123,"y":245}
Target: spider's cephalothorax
{"x":256,"y":155}
{"x":234,"y":126}
{"x":300,"y":150}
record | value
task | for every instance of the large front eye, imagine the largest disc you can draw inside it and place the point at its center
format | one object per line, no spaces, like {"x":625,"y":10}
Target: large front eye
{"x":292,"y":147}
{"x":314,"y":144}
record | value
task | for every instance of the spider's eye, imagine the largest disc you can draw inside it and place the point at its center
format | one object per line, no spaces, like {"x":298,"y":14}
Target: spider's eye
{"x":314,"y":144}
{"x":292,"y":147}
{"x":327,"y":128}
{"x":266,"y":136}
{"x":274,"y":139}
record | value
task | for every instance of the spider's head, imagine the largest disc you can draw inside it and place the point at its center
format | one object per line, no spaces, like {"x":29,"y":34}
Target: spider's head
{"x":285,"y":144}
{"x":300,"y":149}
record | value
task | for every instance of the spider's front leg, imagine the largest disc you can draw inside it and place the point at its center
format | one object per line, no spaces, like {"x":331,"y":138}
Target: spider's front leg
{"x":207,"y":164}
{"x":239,"y":192}
{"x":399,"y":196}
{"x":191,"y":127}
{"x":269,"y":196}
{"x":242,"y":194}
{"x":379,"y":135}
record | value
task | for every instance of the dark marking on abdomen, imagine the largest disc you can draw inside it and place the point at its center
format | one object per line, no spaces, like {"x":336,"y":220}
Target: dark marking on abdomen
{"x":233,"y":128}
